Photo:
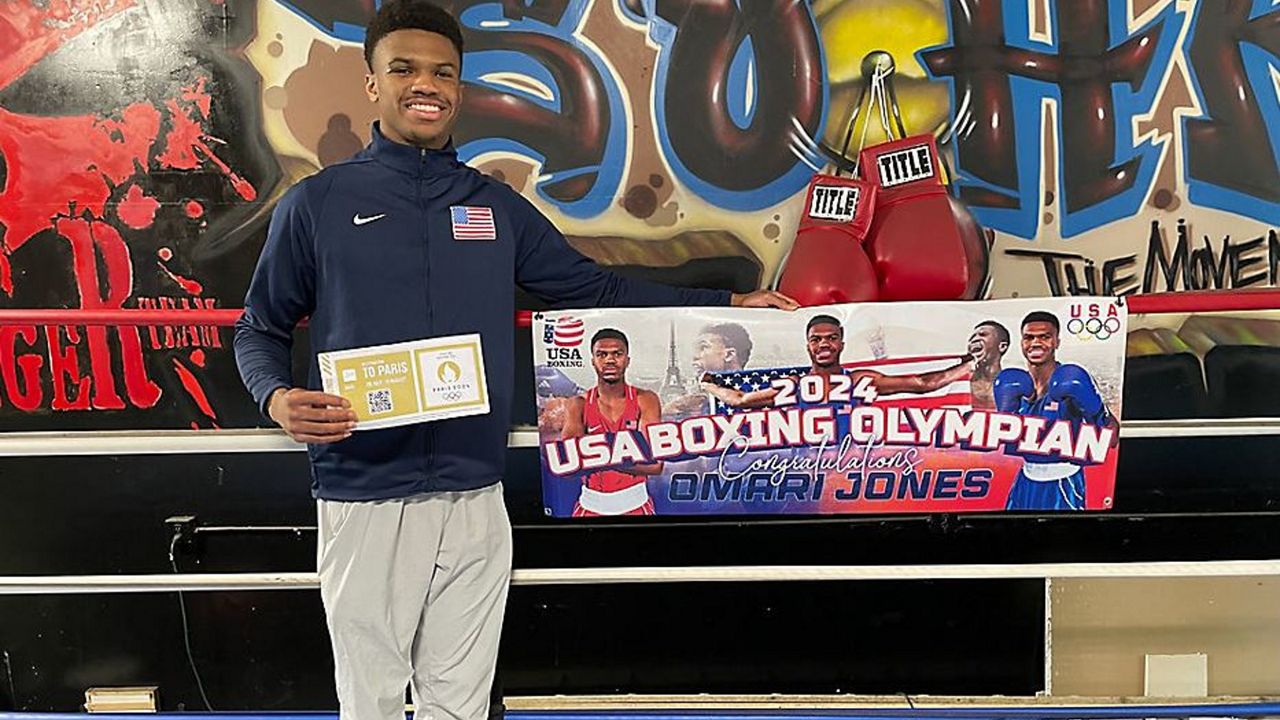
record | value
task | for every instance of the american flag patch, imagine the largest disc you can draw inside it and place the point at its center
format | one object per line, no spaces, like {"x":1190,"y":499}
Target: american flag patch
{"x":472,"y":223}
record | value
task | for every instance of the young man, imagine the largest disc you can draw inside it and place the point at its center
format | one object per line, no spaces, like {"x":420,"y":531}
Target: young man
{"x":613,"y":406}
{"x":988,"y":344}
{"x":403,"y":242}
{"x":1054,"y":391}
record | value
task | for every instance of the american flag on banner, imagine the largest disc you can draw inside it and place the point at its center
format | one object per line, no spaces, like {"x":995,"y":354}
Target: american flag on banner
{"x":957,"y":394}
{"x":472,"y":223}
{"x":748,"y":381}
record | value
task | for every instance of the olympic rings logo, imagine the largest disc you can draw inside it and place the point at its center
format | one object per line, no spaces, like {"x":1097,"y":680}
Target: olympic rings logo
{"x":1093,"y":327}
{"x":453,"y":396}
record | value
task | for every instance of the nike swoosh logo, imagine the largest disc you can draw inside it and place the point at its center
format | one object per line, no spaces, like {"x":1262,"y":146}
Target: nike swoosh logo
{"x":356,"y":219}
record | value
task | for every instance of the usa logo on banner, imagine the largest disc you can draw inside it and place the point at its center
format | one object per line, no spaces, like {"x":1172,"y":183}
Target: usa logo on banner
{"x":472,"y":223}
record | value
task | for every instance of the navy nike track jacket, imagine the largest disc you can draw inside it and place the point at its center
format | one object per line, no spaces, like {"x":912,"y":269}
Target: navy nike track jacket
{"x":366,"y":249}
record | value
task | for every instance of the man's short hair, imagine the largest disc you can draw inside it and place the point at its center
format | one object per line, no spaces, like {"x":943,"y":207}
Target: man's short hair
{"x":1002,"y":332}
{"x":410,"y":15}
{"x":610,"y":334}
{"x":735,"y":336}
{"x":1042,"y":316}
{"x":822,"y":320}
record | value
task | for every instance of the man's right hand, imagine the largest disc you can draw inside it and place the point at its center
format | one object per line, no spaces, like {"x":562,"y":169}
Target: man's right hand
{"x":311,"y":416}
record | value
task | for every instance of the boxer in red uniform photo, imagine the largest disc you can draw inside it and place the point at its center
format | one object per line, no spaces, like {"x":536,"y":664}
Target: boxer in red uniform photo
{"x":611,"y":407}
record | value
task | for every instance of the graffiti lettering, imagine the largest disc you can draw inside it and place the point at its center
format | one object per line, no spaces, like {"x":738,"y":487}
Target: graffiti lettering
{"x":1234,"y":265}
{"x":82,"y":368}
{"x":1100,"y":75}
{"x":169,"y":337}
{"x":1081,"y":274}
{"x":532,"y":89}
{"x":716,"y":101}
{"x":1225,"y":266}
{"x":21,"y":371}
{"x":1232,"y":159}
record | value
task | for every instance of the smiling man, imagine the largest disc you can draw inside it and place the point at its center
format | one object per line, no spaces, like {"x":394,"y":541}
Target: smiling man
{"x":1054,"y":391}
{"x":402,"y":242}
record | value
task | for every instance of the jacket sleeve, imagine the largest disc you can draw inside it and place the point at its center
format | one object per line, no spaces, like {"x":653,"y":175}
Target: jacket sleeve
{"x":281,"y":293}
{"x":549,"y":268}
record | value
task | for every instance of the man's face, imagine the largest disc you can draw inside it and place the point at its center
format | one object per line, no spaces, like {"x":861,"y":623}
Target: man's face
{"x":985,"y":345}
{"x":1039,"y":342}
{"x":826,"y":342}
{"x":609,"y":358}
{"x":415,"y":84}
{"x":710,"y":354}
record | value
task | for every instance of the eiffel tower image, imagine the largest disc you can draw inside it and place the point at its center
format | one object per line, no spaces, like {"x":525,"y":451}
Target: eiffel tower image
{"x":673,"y":386}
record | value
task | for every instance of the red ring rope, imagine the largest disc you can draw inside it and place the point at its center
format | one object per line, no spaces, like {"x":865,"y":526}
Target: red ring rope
{"x":1156,"y":303}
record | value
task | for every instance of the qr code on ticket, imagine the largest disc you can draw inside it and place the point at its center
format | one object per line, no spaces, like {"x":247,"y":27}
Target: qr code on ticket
{"x":379,"y":401}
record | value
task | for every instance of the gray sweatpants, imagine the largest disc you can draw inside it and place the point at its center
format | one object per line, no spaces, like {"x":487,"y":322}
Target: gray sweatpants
{"x":414,"y":592}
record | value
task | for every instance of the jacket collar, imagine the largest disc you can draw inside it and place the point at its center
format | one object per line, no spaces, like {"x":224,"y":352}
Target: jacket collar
{"x":416,"y":161}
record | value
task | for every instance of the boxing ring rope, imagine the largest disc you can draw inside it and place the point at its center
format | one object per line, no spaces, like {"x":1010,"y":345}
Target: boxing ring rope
{"x":216,"y":582}
{"x":1154,"y":303}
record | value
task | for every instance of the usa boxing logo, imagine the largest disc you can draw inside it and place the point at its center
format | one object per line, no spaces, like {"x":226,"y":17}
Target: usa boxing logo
{"x":562,"y":338}
{"x":1093,"y":321}
{"x":904,"y":166}
{"x":837,"y":203}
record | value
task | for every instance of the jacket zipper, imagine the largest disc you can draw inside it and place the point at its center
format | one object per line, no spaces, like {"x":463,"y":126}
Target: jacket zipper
{"x":430,"y":438}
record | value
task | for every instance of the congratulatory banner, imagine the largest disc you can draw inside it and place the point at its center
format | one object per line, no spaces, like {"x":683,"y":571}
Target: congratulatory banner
{"x":872,"y":408}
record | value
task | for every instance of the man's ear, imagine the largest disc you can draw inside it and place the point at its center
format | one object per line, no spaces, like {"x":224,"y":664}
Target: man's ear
{"x":371,"y":87}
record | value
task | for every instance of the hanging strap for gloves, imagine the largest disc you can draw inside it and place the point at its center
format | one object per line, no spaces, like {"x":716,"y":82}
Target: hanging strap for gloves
{"x":875,"y":86}
{"x":884,"y":98}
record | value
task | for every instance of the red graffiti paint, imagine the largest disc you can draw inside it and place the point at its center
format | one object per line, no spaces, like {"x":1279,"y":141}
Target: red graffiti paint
{"x":64,"y":173}
{"x":186,"y":284}
{"x":198,"y":95}
{"x":197,"y":357}
{"x":91,"y":244}
{"x":21,"y":371}
{"x":193,"y":388}
{"x":186,"y":139}
{"x":137,"y":210}
{"x":65,"y":366}
{"x":66,"y":166}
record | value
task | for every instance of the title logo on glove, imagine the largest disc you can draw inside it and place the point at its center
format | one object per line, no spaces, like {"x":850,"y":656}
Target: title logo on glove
{"x":838,"y":203}
{"x":906,"y":165}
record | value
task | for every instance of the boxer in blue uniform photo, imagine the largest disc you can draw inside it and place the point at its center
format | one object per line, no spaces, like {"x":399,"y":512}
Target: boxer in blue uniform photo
{"x":1054,"y":391}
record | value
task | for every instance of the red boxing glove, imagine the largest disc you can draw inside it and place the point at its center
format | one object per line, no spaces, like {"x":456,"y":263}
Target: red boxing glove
{"x":827,"y":264}
{"x":915,"y":242}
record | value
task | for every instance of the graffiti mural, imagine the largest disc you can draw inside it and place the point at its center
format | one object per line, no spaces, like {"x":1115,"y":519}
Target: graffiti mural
{"x":1110,"y":146}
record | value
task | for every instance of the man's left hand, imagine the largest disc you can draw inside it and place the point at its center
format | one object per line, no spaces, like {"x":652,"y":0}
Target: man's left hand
{"x":764,"y":299}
